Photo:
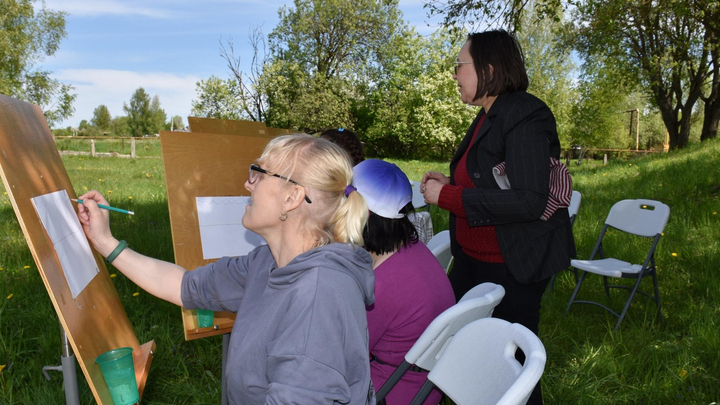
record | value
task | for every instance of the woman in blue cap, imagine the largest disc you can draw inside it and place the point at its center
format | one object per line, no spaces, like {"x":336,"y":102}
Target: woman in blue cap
{"x":411,"y":288}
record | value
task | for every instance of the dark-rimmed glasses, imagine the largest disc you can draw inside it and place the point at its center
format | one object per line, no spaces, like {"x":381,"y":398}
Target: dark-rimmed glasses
{"x":458,"y":63}
{"x":253,"y":176}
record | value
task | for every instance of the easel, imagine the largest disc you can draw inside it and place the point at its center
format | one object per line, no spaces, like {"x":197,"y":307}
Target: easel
{"x":205,"y":165}
{"x":30,"y":166}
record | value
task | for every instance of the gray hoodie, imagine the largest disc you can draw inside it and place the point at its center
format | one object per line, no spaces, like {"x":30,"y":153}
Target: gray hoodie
{"x":300,"y":335}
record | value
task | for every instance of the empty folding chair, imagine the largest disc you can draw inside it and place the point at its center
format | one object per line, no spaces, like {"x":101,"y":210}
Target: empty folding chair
{"x":479,"y":367}
{"x":477,"y":303}
{"x":439,"y":245}
{"x":645,"y":218}
{"x":573,"y":209}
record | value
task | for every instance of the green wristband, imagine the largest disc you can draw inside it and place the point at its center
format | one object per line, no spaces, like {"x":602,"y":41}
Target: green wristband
{"x":120,"y":247}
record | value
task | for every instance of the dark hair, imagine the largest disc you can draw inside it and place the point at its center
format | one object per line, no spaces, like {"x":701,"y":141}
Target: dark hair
{"x":502,"y":51}
{"x":347,"y":140}
{"x":384,"y":235}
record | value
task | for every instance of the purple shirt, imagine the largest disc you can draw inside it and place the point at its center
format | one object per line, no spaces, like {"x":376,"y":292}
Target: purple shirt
{"x":411,"y":290}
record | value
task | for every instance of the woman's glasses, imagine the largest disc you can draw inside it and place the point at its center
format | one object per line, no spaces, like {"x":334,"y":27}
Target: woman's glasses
{"x":457,"y":65}
{"x":254,"y":175}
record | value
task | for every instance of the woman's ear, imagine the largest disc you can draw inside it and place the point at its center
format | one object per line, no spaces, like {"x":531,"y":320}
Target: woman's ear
{"x":294,"y":198}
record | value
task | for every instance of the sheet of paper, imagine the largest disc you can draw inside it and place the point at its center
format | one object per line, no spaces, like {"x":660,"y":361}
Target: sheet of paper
{"x":221,"y":229}
{"x":62,"y":225}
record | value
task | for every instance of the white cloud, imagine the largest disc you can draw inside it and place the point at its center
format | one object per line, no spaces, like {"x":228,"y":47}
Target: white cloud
{"x":107,"y":7}
{"x":115,"y":87}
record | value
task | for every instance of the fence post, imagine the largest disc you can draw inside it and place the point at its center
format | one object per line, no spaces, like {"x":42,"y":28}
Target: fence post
{"x":92,"y":147}
{"x":132,"y":147}
{"x":605,"y":160}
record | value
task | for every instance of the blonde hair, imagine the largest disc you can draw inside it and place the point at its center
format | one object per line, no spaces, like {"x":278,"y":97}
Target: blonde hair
{"x":324,"y":170}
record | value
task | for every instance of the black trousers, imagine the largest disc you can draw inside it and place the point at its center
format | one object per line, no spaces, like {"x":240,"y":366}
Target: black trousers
{"x":521,"y":303}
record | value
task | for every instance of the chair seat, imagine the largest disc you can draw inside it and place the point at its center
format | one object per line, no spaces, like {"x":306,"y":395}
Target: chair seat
{"x":607,"y":267}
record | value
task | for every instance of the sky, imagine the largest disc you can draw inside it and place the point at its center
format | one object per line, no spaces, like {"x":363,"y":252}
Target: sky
{"x":166,"y":46}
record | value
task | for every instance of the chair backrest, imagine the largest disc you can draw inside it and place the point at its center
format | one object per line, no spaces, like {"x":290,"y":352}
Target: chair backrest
{"x":439,"y":245}
{"x":575,"y":201}
{"x":479,"y":365}
{"x":480,"y":303}
{"x":639,"y":217}
{"x":418,"y":200}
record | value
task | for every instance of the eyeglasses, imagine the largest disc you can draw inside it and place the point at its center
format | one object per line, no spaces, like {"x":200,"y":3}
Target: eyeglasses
{"x":253,"y":176}
{"x":457,"y":65}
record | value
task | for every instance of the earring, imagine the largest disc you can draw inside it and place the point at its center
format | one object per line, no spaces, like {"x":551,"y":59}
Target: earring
{"x":283,"y":216}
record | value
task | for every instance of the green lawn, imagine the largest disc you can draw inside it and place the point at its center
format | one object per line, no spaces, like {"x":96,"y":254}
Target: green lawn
{"x":676,"y":360}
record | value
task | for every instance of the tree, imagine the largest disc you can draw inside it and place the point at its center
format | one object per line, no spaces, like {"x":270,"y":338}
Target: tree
{"x":175,"y":124}
{"x":672,"y":52}
{"x":217,"y":98}
{"x":101,"y":117}
{"x":158,"y":116}
{"x":323,"y":53}
{"x":27,"y":36}
{"x":140,"y":118}
{"x":511,"y":14}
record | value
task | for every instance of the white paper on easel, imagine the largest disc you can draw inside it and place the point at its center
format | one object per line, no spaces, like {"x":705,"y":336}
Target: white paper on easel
{"x":62,"y":225}
{"x":221,"y":230}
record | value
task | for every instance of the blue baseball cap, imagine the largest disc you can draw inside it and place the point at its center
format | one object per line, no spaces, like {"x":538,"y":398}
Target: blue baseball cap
{"x":384,"y":186}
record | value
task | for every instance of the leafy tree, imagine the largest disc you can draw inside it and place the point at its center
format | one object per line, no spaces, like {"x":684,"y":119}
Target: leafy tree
{"x":488,"y":13}
{"x":140,"y":117}
{"x":27,"y":36}
{"x":175,"y":123}
{"x":663,"y":41}
{"x":158,"y":116}
{"x":120,"y":126}
{"x":323,"y":53}
{"x":217,"y":98}
{"x":101,"y":117}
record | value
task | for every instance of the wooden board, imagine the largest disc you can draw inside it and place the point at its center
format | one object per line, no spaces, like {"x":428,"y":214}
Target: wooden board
{"x":203,"y":165}
{"x":227,"y":127}
{"x":95,"y":321}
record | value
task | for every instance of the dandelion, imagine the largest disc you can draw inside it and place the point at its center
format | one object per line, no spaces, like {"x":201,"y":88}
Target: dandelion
{"x":136,"y":294}
{"x":630,"y":164}
{"x":2,"y":367}
{"x":10,"y":296}
{"x":0,"y":268}
{"x":84,"y":188}
{"x":660,"y":184}
{"x":604,"y":174}
{"x":674,"y":254}
{"x":129,"y":197}
{"x":113,"y":275}
{"x":683,"y":373}
{"x":26,"y":267}
{"x":662,"y":234}
{"x":714,"y":213}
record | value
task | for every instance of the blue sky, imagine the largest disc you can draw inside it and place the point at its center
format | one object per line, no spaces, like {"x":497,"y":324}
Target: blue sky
{"x":115,"y":46}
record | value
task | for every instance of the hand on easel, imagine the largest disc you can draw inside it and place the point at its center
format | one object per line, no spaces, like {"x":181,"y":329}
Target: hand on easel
{"x":96,"y":222}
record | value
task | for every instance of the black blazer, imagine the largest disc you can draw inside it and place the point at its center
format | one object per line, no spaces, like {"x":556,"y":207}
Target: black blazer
{"x":519,"y":130}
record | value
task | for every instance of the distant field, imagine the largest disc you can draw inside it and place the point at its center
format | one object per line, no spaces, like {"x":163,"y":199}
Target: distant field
{"x":675,"y":361}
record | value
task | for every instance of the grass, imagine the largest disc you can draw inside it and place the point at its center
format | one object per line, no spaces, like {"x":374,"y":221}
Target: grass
{"x":144,"y":147}
{"x":672,"y":361}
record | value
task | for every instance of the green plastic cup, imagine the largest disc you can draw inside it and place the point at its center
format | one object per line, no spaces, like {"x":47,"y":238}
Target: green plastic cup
{"x":119,"y":373}
{"x":205,"y":318}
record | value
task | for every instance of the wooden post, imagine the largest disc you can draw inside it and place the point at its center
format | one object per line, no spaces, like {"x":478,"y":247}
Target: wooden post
{"x":92,"y":147}
{"x":605,"y":160}
{"x":132,"y":147}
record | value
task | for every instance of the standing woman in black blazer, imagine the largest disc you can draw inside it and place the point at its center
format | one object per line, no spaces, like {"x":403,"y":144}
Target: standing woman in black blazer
{"x":498,"y":235}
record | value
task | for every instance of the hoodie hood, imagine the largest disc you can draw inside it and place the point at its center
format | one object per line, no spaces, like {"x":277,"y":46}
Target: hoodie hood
{"x":345,"y":258}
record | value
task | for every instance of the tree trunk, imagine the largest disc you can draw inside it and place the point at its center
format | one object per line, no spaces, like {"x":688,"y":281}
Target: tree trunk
{"x":710,"y":122}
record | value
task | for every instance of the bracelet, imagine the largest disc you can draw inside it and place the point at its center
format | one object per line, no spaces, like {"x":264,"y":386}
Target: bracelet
{"x":120,"y":247}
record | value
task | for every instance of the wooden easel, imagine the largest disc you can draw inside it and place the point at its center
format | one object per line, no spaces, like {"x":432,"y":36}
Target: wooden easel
{"x":94,"y":321}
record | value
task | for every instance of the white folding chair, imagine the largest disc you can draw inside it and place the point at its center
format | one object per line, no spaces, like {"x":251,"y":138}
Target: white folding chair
{"x":479,"y":367}
{"x":646,"y":218}
{"x":573,"y":209}
{"x":418,"y":200}
{"x":477,"y":303}
{"x":439,"y":245}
